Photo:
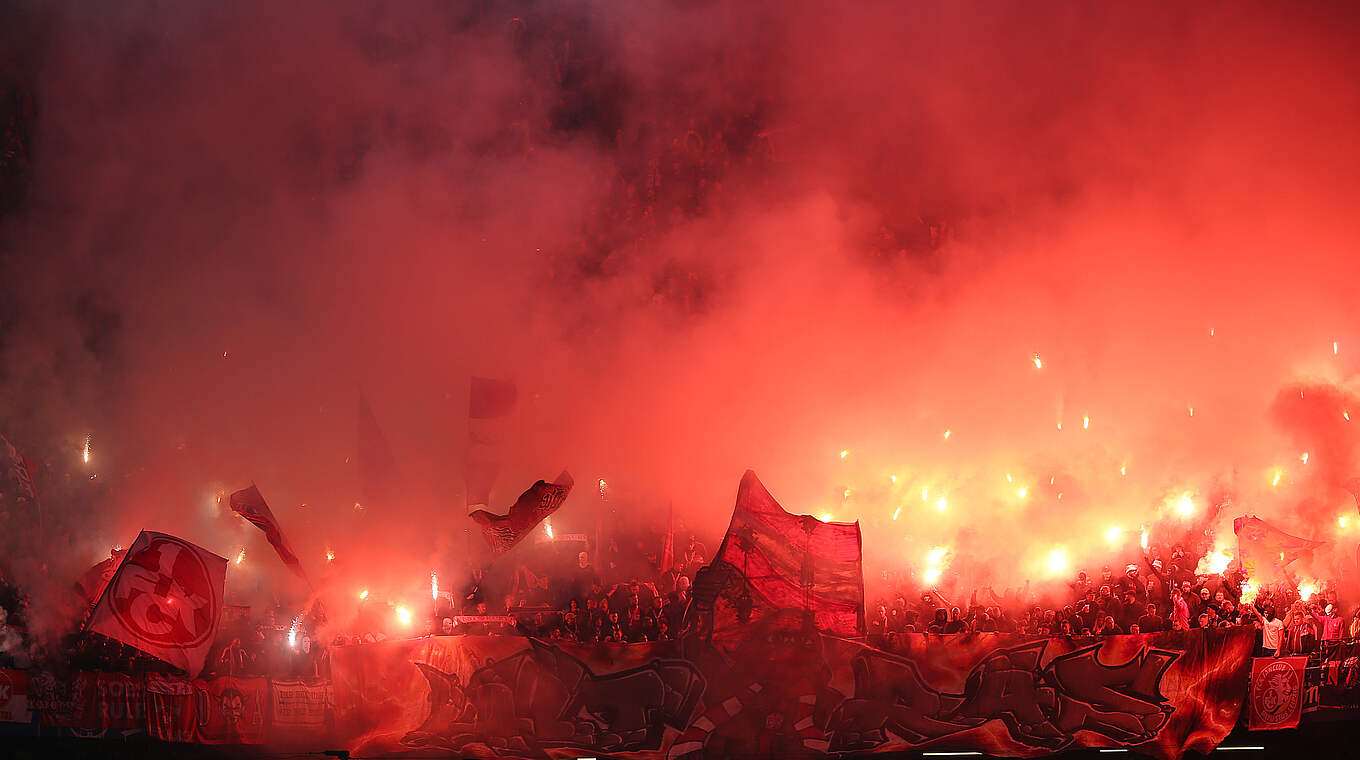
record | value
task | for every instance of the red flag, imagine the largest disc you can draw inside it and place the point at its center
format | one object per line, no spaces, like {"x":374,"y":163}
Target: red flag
{"x":502,"y":532}
{"x":165,"y":599}
{"x":771,"y":560}
{"x":249,"y":504}
{"x":1265,"y":550}
{"x":94,"y":581}
{"x":1276,"y":693}
{"x":18,"y":467}
{"x":489,"y":403}
{"x":377,"y":465}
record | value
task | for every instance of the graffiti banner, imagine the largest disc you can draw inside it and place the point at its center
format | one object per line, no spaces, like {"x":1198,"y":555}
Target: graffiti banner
{"x":14,"y":697}
{"x":785,"y":690}
{"x":66,"y":701}
{"x":230,"y":710}
{"x":1276,"y":692}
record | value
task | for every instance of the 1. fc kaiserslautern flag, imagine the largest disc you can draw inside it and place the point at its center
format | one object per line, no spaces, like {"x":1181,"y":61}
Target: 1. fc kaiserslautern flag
{"x":1265,"y":550}
{"x":502,"y":532}
{"x":1276,"y":693}
{"x":772,"y":560}
{"x":165,"y":599}
{"x":250,"y":504}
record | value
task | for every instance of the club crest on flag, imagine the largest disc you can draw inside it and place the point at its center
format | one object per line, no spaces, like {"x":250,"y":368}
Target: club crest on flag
{"x":165,"y":595}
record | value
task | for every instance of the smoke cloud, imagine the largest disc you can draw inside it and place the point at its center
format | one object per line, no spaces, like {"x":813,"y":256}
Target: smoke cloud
{"x":1060,"y":266}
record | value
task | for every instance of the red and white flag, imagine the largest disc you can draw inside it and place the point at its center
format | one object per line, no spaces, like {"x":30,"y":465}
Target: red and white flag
{"x":1276,"y":693}
{"x":165,"y":599}
{"x":250,"y":504}
{"x":502,"y":532}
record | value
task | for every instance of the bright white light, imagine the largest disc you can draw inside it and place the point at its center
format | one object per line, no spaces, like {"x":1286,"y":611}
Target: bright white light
{"x":896,"y":512}
{"x":434,"y":585}
{"x":1112,"y":533}
{"x":942,"y":504}
{"x":931,"y":574}
{"x":1186,"y":506}
{"x":1057,"y":561}
{"x":403,"y":616}
{"x":363,"y":595}
{"x":826,"y":517}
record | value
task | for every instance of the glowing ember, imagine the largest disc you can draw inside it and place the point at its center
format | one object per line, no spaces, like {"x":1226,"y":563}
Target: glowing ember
{"x":1276,"y":480}
{"x":942,"y":504}
{"x":241,"y":556}
{"x":330,"y":556}
{"x":86,"y":455}
{"x":1112,"y":533}
{"x":1039,"y":363}
{"x":434,"y":585}
{"x":1346,"y":416}
{"x":604,"y":490}
{"x":896,"y":512}
{"x":931,"y":575}
{"x":946,"y":434}
{"x":1123,"y":470}
{"x":892,"y":479}
{"x":1060,"y":426}
{"x":1009,"y":479}
{"x":1192,"y":411}
{"x":845,"y":494}
{"x":1342,"y":520}
{"x":403,"y":616}
{"x":1335,"y":348}
{"x":363,"y":595}
{"x":1304,"y":457}
{"x":1086,"y":422}
{"x":1057,"y":562}
{"x":1022,"y":492}
{"x":844,"y":453}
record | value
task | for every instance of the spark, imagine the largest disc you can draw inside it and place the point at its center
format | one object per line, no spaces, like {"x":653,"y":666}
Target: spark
{"x":1143,"y":539}
{"x":1335,"y":348}
{"x":1060,"y":426}
{"x":1038,"y":362}
{"x":547,"y":528}
{"x":931,"y":575}
{"x":942,"y":504}
{"x":946,"y":434}
{"x":1086,"y":422}
{"x":1112,"y":533}
{"x":330,"y":555}
{"x":845,"y":453}
{"x":1022,"y":492}
{"x":1346,"y":415}
{"x":1276,"y":480}
{"x":293,"y":631}
{"x":1123,"y":470}
{"x":1342,"y":520}
{"x":1211,"y":332}
{"x":1307,"y":589}
{"x":1057,"y":561}
{"x":1303,"y":457}
{"x":404,"y":615}
{"x":845,"y":495}
{"x":241,"y":556}
{"x":892,"y":479}
{"x":363,"y":595}
{"x":925,"y":494}
{"x":604,"y":490}
{"x":1009,"y":479}
{"x":434,"y":586}
{"x":1052,"y":478}
{"x":1192,"y":411}
{"x":898,"y":511}
{"x":826,"y":517}
{"x":86,"y":455}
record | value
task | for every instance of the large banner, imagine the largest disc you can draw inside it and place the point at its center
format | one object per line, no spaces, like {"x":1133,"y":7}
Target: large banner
{"x":782,"y":689}
{"x":300,"y":707}
{"x":230,"y":710}
{"x":1276,"y":692}
{"x":120,"y":701}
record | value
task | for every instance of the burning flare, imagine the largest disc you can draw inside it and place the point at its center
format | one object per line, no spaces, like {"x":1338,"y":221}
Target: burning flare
{"x":434,"y":586}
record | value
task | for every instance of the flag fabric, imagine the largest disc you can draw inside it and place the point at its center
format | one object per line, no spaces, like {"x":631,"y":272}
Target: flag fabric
{"x":1265,"y":550}
{"x":97,"y":578}
{"x":490,"y":402}
{"x":490,"y":399}
{"x":165,"y":599}
{"x":18,"y":467}
{"x":502,"y":532}
{"x":771,"y":560}
{"x":1276,"y":699}
{"x":250,"y":504}
{"x":377,"y":465}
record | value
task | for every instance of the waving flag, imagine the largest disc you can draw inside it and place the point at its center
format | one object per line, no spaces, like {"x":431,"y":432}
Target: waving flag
{"x":771,"y":560}
{"x":489,"y":403}
{"x":249,"y":504}
{"x":97,"y":578}
{"x":1264,"y":549}
{"x":165,"y":599}
{"x":502,"y":532}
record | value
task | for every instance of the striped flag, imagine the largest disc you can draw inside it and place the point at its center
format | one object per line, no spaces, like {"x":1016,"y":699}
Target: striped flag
{"x":502,"y":532}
